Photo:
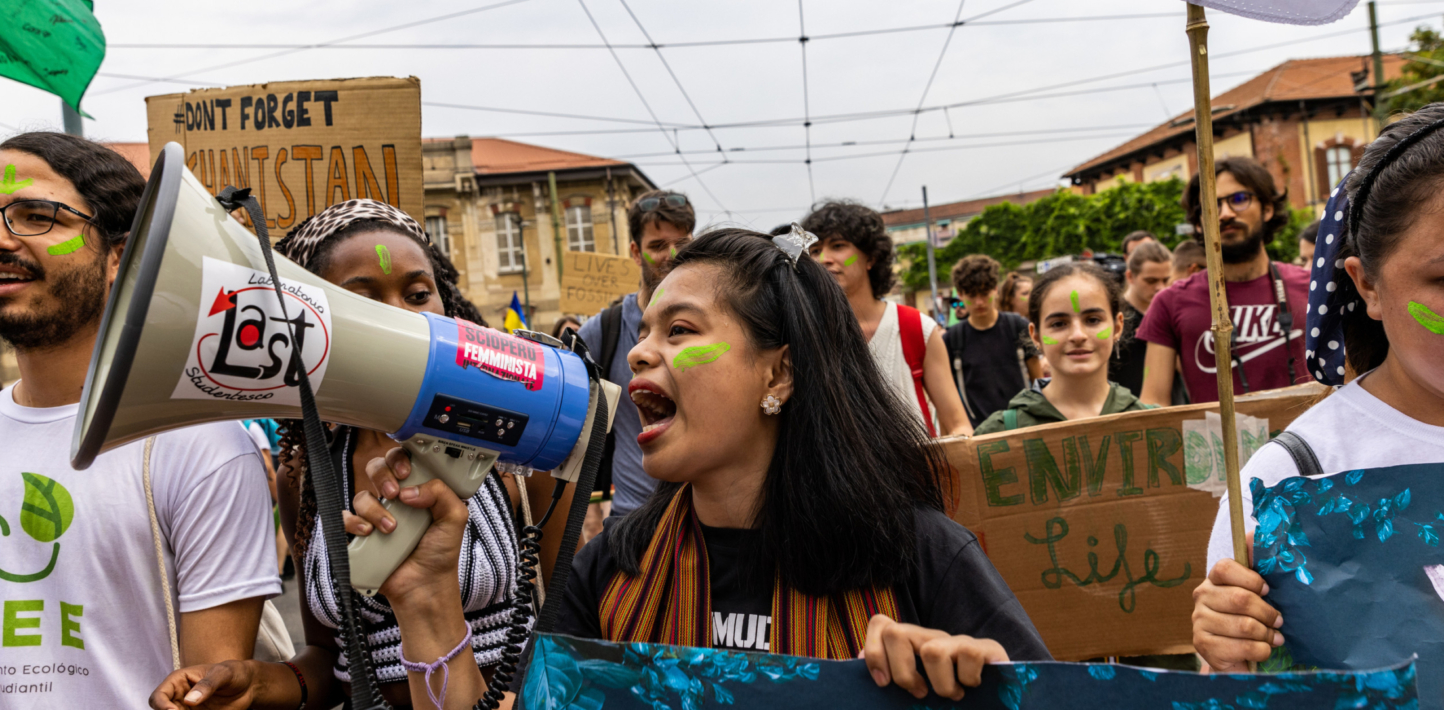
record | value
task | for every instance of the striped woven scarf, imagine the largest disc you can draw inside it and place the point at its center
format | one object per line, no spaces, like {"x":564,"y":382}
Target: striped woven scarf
{"x":671,"y":602}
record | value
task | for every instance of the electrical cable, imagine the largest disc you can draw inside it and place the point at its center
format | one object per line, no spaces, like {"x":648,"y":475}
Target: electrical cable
{"x":806,"y":104}
{"x":675,"y":80}
{"x":302,"y":48}
{"x":944,"y":149}
{"x":648,"y":106}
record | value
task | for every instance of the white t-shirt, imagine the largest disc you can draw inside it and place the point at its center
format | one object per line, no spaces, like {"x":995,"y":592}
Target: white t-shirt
{"x":887,"y":352}
{"x":1351,"y":429}
{"x":258,"y":437}
{"x":83,"y":619}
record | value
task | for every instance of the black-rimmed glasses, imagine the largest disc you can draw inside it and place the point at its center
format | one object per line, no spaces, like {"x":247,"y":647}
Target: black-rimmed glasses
{"x":32,"y":218}
{"x":673,"y":200}
{"x":1238,"y":201}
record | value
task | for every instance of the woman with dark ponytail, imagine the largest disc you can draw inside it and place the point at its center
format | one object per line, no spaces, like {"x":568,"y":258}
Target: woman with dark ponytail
{"x":799,"y":508}
{"x":460,"y":582}
{"x":1375,"y":304}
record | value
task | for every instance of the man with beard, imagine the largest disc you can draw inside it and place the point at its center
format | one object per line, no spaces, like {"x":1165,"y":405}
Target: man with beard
{"x":1267,"y":299}
{"x":660,"y":222}
{"x":94,"y":608}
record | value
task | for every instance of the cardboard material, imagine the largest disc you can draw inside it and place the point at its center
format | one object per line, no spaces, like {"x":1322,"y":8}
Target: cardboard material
{"x":1353,"y":564}
{"x":300,"y":146}
{"x":579,"y":674}
{"x":1094,"y":524}
{"x":590,"y":281}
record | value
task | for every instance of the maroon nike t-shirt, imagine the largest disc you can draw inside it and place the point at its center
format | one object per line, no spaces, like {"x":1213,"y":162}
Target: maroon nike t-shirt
{"x":1180,"y":318}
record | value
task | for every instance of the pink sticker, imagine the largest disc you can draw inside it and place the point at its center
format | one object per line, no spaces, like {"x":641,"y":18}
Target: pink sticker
{"x":500,"y":355}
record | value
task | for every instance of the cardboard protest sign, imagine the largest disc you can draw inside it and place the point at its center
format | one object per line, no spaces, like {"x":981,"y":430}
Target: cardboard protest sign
{"x":1353,"y":563}
{"x":1101,"y":526}
{"x":591,"y":281}
{"x":567,"y":673}
{"x":300,"y":146}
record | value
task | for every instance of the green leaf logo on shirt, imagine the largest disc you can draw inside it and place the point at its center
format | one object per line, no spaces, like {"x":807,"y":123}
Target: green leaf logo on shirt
{"x":47,"y":510}
{"x":45,"y":514}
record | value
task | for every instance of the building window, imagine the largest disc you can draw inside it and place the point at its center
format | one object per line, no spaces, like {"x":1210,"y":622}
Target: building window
{"x":579,"y":229}
{"x":1340,"y":160}
{"x":509,"y":249}
{"x":436,"y":228}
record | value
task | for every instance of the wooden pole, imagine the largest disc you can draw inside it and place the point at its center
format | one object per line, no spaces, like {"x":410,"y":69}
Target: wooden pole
{"x":1217,"y":296}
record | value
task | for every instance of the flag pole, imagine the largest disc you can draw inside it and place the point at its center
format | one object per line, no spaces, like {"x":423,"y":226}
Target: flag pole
{"x":1217,"y":296}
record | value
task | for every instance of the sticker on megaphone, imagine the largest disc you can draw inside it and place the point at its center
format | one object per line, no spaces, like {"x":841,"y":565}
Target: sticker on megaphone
{"x":242,"y":346}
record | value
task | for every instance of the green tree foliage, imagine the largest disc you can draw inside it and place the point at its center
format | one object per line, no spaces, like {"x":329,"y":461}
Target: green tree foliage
{"x":1426,"y":63}
{"x":1065,"y":223}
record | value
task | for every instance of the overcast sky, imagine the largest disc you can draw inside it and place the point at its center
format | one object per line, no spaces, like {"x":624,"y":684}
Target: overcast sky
{"x":1022,"y":143}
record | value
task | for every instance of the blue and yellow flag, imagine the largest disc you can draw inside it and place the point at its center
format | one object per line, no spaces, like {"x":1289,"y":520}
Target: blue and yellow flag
{"x":514,"y":316}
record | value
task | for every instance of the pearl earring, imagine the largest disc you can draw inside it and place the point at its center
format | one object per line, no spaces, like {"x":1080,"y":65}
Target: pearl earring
{"x":771,"y":404}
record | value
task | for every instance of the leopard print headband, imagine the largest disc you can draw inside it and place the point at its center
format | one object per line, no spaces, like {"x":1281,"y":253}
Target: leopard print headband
{"x":301,"y":244}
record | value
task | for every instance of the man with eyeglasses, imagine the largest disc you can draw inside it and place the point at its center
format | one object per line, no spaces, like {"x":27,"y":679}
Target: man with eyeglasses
{"x":660,"y":222}
{"x":78,"y":571}
{"x":1267,"y":299}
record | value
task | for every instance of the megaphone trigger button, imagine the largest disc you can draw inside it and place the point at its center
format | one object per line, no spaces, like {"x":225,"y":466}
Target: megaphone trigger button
{"x":453,"y":452}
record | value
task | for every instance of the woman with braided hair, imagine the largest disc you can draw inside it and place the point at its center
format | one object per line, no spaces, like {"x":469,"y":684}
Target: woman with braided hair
{"x":465,"y":565}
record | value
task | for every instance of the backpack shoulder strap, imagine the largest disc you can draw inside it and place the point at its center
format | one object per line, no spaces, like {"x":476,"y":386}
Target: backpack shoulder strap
{"x":611,"y":334}
{"x":1301,"y":452}
{"x":915,"y":349}
{"x":1010,"y":419}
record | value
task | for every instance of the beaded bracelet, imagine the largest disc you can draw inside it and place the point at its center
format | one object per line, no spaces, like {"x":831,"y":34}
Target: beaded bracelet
{"x":299,"y":679}
{"x":429,"y":668}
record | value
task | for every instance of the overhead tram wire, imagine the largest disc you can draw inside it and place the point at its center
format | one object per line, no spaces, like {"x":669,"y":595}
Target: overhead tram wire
{"x":322,"y":45}
{"x":928,"y":87}
{"x":552,"y":114}
{"x":675,"y":80}
{"x":806,"y":105}
{"x":943,"y":149}
{"x":638,"y":90}
{"x":666,"y":45}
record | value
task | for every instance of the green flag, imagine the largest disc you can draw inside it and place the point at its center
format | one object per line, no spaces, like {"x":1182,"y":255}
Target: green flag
{"x":54,"y":45}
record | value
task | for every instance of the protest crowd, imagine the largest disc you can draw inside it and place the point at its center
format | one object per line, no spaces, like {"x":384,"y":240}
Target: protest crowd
{"x":804,"y":460}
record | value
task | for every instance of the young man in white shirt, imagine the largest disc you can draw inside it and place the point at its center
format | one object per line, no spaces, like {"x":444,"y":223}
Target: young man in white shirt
{"x":84,"y":620}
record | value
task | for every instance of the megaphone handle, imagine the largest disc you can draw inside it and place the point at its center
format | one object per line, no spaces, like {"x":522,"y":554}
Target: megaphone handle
{"x":375,"y":556}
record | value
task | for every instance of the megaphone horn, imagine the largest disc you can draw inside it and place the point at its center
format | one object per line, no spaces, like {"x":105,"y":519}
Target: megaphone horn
{"x":194,"y":332}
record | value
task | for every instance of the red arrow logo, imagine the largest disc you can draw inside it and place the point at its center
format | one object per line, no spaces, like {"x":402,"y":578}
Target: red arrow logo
{"x":224,"y":302}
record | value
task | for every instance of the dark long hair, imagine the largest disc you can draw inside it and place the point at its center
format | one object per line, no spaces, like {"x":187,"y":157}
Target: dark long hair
{"x":851,"y":463}
{"x":1402,"y":191}
{"x":293,"y":439}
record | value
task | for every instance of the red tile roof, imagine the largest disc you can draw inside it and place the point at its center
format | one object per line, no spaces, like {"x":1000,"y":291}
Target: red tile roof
{"x":137,"y":153}
{"x":955,"y":210}
{"x":1292,"y":81}
{"x":495,"y":156}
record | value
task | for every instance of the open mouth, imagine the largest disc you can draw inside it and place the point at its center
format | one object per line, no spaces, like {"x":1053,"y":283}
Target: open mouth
{"x":655,"y":407}
{"x":14,"y":276}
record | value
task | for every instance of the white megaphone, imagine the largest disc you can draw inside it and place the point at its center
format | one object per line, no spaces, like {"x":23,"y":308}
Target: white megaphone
{"x":193,"y":332}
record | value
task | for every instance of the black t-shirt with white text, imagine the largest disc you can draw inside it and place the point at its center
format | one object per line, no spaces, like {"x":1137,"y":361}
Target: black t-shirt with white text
{"x":953,"y":587}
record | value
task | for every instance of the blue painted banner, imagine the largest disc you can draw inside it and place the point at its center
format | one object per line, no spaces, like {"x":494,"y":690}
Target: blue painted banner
{"x":1354,"y":564}
{"x":574,"y":674}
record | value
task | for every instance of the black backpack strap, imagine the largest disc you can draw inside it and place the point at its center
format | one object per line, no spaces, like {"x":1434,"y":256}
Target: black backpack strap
{"x":1301,"y":452}
{"x":611,"y":334}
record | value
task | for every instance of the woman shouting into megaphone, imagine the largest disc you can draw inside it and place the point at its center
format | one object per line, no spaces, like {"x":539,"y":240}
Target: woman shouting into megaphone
{"x":796,"y":489}
{"x":422,"y":614}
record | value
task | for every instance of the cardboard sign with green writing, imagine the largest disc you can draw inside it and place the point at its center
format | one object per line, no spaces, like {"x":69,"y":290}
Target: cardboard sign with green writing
{"x":1101,"y":526}
{"x":300,"y":146}
{"x":590,"y":281}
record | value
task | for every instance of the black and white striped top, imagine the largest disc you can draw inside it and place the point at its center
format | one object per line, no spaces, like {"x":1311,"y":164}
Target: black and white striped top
{"x":487,"y":570}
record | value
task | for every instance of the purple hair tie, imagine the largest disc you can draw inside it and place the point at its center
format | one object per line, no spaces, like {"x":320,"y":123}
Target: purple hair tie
{"x":429,"y":668}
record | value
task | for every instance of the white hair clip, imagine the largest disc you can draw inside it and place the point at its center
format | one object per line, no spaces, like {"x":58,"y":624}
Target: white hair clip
{"x":795,"y":243}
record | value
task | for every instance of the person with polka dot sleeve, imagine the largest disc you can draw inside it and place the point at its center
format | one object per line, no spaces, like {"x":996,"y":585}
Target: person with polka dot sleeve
{"x":1376,"y":292}
{"x":1267,"y":300}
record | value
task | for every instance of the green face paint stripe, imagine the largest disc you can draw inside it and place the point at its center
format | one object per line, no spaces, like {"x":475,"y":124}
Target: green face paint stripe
{"x":1106,"y":333}
{"x":68,"y":246}
{"x":9,"y":186}
{"x":655,"y":296}
{"x":1432,"y":322}
{"x":1076,"y":308}
{"x":649,"y":258}
{"x":850,"y":260}
{"x":673,"y":252}
{"x":699,"y":355}
{"x":1049,"y":341}
{"x":384,"y":255}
